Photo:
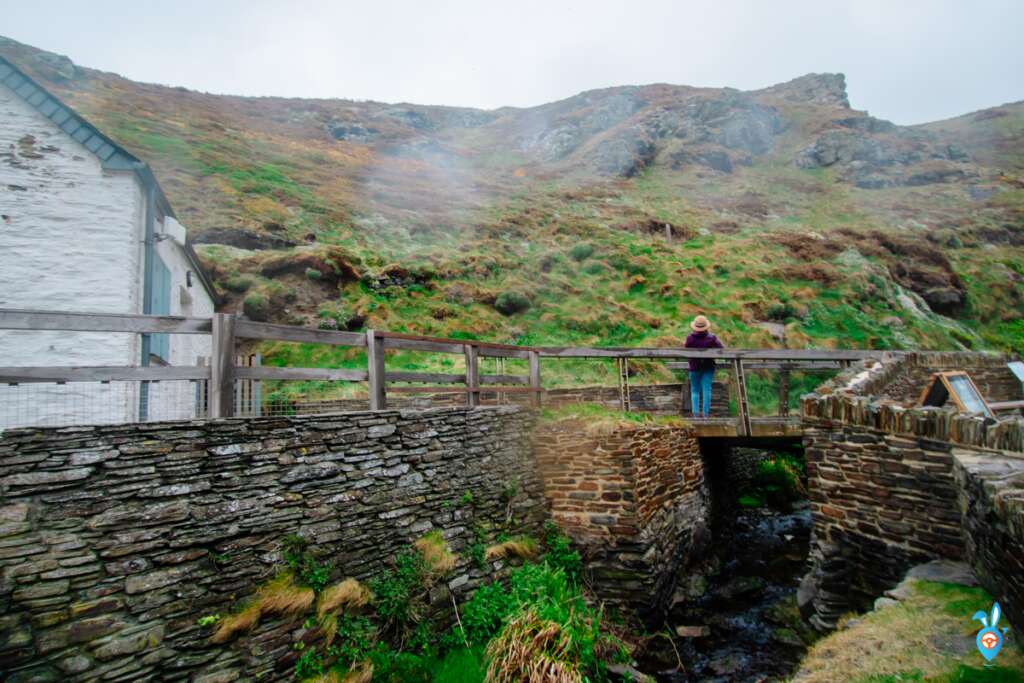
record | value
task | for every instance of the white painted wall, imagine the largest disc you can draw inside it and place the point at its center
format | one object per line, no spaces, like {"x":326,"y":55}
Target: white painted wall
{"x":173,"y":400}
{"x":72,"y":240}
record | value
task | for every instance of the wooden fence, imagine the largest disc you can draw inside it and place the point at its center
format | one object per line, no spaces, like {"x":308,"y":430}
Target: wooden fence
{"x":225,"y":369}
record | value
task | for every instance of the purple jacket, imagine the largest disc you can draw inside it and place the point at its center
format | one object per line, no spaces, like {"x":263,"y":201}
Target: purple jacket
{"x":702,"y":340}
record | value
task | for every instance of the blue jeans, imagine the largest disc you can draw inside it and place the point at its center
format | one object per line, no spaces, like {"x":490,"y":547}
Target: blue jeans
{"x":700,"y":386}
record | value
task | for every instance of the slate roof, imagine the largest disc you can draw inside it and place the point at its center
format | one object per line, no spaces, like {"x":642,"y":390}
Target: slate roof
{"x":113,"y":156}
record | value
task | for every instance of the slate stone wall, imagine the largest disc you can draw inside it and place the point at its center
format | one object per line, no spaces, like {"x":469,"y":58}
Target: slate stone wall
{"x":995,"y":381}
{"x":991,"y":498}
{"x":635,"y":500}
{"x":114,"y":540}
{"x":881,"y":503}
{"x":889,"y":488}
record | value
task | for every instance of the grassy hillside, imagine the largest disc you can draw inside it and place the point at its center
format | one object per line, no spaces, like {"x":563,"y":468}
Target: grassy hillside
{"x":787,"y":211}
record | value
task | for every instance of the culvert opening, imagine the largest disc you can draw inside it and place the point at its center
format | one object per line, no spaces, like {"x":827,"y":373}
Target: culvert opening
{"x":734,"y":613}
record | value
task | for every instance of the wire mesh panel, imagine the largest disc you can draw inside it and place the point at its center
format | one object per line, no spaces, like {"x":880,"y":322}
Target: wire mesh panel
{"x":91,"y":403}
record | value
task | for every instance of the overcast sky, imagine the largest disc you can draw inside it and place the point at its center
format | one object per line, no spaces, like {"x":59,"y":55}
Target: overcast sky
{"x":906,"y":60}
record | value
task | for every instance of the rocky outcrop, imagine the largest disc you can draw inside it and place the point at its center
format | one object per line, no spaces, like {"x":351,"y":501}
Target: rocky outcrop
{"x":820,"y":89}
{"x":242,"y":238}
{"x":872,"y":154}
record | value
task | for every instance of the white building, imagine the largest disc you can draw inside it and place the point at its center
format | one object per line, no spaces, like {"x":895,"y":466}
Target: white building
{"x":84,"y":226}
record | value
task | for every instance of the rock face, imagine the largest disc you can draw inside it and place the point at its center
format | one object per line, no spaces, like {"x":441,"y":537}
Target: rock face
{"x":106,"y":569}
{"x":872,"y":153}
{"x":242,"y":238}
{"x":820,"y":89}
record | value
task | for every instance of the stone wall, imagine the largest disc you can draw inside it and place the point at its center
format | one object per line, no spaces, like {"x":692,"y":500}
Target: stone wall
{"x":880,"y":503}
{"x":995,"y":381}
{"x":882,"y":485}
{"x":634,"y":499}
{"x":114,"y":540}
{"x":991,"y":497}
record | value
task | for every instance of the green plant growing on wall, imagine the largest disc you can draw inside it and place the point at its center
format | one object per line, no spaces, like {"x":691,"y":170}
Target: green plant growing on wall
{"x":559,"y":552}
{"x":303,"y":564}
{"x":397,"y":588}
{"x":208,"y":620}
{"x":310,"y":664}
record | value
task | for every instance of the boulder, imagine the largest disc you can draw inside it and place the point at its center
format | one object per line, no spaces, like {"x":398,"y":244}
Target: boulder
{"x":944,"y":300}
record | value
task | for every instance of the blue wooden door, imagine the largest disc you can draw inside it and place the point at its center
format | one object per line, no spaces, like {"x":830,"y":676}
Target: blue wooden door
{"x":160,"y":304}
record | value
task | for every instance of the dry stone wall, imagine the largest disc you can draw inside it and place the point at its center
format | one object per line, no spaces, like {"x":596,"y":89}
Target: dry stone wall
{"x":894,"y":485}
{"x":881,"y":504}
{"x":635,"y":499}
{"x":114,"y":540}
{"x":991,"y":497}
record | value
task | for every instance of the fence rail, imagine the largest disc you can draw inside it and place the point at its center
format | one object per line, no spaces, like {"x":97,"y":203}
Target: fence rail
{"x":224,"y":369}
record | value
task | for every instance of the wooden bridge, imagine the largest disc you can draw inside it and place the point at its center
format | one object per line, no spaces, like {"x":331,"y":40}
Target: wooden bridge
{"x":227,"y":330}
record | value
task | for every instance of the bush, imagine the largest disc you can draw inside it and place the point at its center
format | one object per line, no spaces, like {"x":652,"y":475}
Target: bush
{"x":334,"y":316}
{"x":256,"y":307}
{"x":396,"y":590}
{"x":238,"y":283}
{"x":313,"y":274}
{"x":303,"y":564}
{"x":510,"y":303}
{"x":594,"y":268}
{"x":781,"y":311}
{"x":582,"y":251}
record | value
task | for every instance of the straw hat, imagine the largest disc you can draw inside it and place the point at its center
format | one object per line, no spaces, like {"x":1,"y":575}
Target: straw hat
{"x":700,"y":324}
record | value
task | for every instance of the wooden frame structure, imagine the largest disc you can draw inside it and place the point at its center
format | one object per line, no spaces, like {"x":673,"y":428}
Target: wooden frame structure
{"x":226,"y":329}
{"x":942,"y":387}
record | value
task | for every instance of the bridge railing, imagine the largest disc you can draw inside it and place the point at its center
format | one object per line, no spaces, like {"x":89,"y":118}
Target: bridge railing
{"x":225,"y":330}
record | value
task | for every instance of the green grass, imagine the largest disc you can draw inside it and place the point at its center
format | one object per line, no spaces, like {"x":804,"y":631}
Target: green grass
{"x":461,"y":666}
{"x":593,"y":412}
{"x":928,"y":637}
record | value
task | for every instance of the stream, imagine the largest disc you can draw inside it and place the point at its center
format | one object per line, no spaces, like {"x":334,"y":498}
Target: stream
{"x":740,"y":623}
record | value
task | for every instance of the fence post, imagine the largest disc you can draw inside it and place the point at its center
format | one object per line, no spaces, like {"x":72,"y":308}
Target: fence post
{"x":784,"y":392}
{"x":375,"y":370}
{"x":472,"y":353}
{"x":535,"y":377}
{"x":222,"y":365}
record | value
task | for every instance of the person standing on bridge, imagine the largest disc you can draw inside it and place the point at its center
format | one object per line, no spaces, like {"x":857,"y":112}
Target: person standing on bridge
{"x":702,"y":370}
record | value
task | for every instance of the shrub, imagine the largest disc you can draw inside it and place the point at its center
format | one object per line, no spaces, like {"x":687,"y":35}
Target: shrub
{"x":238,"y":283}
{"x":510,"y":303}
{"x":595,"y":268}
{"x":780,"y":311}
{"x":313,"y":274}
{"x":553,"y":630}
{"x":303,"y":564}
{"x":256,"y":307}
{"x":396,"y":589}
{"x":355,"y":638}
{"x":560,"y":553}
{"x":334,"y":316}
{"x":582,"y":251}
{"x":308,"y":665}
